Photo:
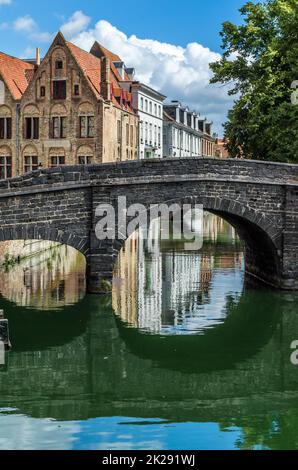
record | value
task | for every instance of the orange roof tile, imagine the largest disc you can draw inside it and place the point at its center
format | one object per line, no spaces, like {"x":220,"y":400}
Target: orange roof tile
{"x":104,"y":52}
{"x":91,"y":66}
{"x":16,"y":73}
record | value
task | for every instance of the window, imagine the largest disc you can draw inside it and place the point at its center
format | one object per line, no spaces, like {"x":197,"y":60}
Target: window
{"x":159,"y":111}
{"x":59,"y":127}
{"x":85,"y":160}
{"x":76,"y":90}
{"x":150,"y":133}
{"x":32,"y":128}
{"x":59,"y":90}
{"x":30,"y":163}
{"x":5,"y":128}
{"x":119,"y":131}
{"x":86,"y":126}
{"x":150,"y":107}
{"x":127,"y":134}
{"x":5,"y":167}
{"x":155,"y":109}
{"x":42,"y":91}
{"x":57,"y":160}
{"x":146,"y":106}
{"x":131,"y":136}
{"x":142,"y":131}
{"x":142,"y":103}
{"x":159,"y":136}
{"x":59,"y":64}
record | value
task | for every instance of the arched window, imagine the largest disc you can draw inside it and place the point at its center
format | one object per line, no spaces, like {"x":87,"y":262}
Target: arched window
{"x":30,"y":158}
{"x":56,"y":157}
{"x":5,"y":123}
{"x":5,"y":162}
{"x":58,"y":122}
{"x":86,"y":120}
{"x":31,"y":122}
{"x":85,"y":155}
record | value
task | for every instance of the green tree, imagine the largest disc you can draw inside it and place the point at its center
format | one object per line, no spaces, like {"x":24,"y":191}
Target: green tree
{"x":260,"y":64}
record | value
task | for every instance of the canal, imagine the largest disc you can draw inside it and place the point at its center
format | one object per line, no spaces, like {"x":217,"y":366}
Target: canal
{"x":185,"y":353}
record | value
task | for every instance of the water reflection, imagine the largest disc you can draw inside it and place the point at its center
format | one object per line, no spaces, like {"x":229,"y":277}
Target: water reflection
{"x":82,"y":378}
{"x":43,"y":275}
{"x":161,"y":288}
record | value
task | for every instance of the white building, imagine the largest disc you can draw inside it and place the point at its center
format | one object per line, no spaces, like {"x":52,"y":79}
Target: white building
{"x":185,"y":133}
{"x":149,"y":105}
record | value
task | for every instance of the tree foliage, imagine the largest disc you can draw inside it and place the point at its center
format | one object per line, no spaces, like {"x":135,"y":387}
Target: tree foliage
{"x":260,"y":64}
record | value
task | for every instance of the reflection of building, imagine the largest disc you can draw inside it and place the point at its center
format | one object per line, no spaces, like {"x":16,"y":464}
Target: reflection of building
{"x":126,"y":275}
{"x":169,"y":289}
{"x":50,"y":278}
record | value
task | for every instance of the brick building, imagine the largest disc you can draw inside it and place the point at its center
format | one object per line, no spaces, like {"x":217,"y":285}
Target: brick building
{"x":220,"y":149}
{"x":71,"y":108}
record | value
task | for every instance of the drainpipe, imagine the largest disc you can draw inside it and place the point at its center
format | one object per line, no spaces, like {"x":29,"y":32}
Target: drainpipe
{"x":18,"y":112}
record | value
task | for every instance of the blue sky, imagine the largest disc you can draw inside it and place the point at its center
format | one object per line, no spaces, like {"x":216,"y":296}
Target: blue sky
{"x":171,"y":21}
{"x":169,"y":42}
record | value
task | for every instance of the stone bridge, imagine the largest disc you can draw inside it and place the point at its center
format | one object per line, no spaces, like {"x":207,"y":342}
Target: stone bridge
{"x":259,"y":199}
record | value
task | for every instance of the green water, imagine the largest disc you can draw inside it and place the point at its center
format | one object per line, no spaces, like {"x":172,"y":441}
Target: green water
{"x":184,"y":354}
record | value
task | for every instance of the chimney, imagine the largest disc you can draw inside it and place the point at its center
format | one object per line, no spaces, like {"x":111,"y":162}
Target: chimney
{"x":105,"y":79}
{"x":37,"y":60}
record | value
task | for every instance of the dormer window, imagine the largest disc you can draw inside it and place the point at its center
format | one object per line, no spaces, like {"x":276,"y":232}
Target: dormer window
{"x":59,"y":65}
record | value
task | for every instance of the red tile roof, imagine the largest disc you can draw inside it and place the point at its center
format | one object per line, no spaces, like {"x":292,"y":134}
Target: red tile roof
{"x":91,"y":67}
{"x":16,"y":73}
{"x":113,"y":58}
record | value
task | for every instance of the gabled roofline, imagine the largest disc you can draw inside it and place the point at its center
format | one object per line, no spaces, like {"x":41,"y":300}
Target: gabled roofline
{"x":60,"y":36}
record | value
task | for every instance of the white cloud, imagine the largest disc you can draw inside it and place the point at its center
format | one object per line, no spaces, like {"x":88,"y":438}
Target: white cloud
{"x":5,"y":2}
{"x":25,"y":23}
{"x":75,"y":24}
{"x":42,"y":37}
{"x":178,"y":72}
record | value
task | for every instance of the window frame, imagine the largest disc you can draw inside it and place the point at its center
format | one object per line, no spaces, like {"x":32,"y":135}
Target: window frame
{"x":89,"y":126}
{"x":58,"y":162}
{"x":61,"y":127}
{"x":31,"y":128}
{"x":5,"y":166}
{"x":5,"y":128}
{"x":59,"y":92}
{"x":31,"y":166}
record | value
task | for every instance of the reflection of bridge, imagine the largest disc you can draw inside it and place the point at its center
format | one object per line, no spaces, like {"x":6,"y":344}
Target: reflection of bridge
{"x":95,"y":366}
{"x":259,"y":199}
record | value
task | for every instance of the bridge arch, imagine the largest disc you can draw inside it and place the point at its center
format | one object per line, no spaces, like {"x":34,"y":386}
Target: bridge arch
{"x":35,"y":232}
{"x":260,"y":235}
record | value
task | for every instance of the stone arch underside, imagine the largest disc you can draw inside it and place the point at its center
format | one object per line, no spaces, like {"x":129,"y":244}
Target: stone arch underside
{"x":35,"y":232}
{"x":262,"y":238}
